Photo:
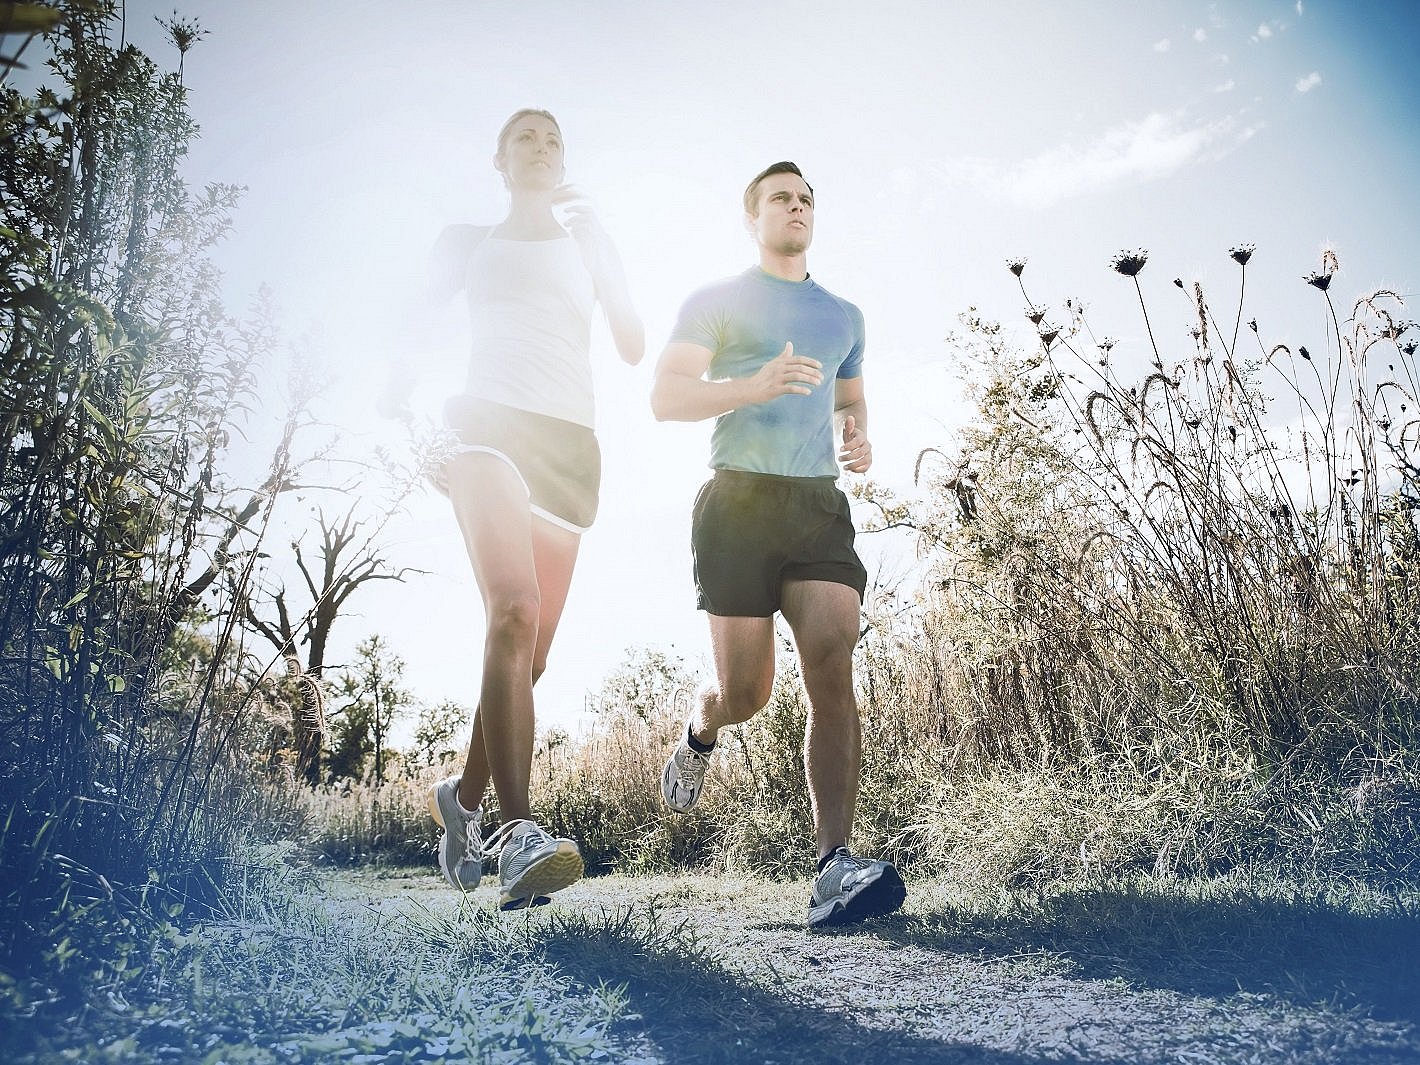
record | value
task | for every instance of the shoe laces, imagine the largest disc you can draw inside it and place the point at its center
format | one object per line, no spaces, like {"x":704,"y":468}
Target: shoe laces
{"x":534,"y":836}
{"x":474,"y":821}
{"x":691,"y":766}
{"x":843,"y":857}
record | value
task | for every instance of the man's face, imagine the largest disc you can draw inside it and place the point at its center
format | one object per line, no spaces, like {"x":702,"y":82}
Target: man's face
{"x":785,"y":223}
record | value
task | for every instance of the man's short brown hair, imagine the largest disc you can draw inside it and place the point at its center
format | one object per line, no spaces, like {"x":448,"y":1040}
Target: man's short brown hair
{"x":752,"y":190}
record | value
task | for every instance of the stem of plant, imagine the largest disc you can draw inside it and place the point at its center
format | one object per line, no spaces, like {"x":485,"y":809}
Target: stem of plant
{"x":1147,"y":326}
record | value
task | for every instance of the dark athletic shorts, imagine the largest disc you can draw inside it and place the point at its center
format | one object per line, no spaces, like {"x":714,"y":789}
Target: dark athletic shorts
{"x":560,"y":462}
{"x":750,"y":532}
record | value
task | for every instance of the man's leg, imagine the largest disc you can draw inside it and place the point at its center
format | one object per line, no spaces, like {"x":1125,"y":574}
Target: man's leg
{"x":824,"y":617}
{"x":744,"y":675}
{"x":744,"y":680}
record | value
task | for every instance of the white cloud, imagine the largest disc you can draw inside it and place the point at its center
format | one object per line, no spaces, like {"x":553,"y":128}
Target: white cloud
{"x":1227,"y":86}
{"x":1263,"y":32}
{"x":1154,"y":147}
{"x":1200,"y":35}
{"x":1299,"y":7}
{"x":1162,"y":46}
{"x":1310,"y":82}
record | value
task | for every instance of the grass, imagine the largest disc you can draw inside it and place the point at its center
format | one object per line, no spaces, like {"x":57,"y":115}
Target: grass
{"x":295,"y":977}
{"x":1032,"y":827}
{"x":352,"y":824}
{"x":390,"y":967}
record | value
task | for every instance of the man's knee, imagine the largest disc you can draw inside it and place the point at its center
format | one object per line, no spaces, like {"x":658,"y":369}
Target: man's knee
{"x":741,"y":700}
{"x":827,"y":650}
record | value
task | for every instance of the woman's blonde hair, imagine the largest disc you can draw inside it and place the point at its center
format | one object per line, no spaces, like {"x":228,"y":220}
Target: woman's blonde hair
{"x":508,"y":126}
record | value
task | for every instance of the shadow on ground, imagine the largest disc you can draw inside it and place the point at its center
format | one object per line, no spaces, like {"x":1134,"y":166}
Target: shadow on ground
{"x":1303,"y":951}
{"x":689,"y":1010}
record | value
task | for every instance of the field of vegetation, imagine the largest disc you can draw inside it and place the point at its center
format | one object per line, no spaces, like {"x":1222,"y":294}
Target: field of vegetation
{"x":1141,"y":728}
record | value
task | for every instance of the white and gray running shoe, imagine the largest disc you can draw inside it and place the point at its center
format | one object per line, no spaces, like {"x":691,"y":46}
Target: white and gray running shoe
{"x":852,"y":889}
{"x":460,"y":848}
{"x":532,"y":864}
{"x":684,"y":776}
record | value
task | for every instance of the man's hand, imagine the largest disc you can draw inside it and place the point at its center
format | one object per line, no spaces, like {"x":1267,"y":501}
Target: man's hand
{"x":786,"y":374}
{"x":856,"y":454}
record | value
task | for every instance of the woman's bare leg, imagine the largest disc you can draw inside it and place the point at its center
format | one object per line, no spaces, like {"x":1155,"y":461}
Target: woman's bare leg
{"x":524,"y":570}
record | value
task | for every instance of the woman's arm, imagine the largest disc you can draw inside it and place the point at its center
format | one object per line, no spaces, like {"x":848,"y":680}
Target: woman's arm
{"x":417,"y":310}
{"x":608,"y":275}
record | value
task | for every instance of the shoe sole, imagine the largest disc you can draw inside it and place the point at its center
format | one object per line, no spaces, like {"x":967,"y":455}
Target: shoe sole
{"x":438,"y":816}
{"x":525,"y":904}
{"x":558,"y":870}
{"x":879,"y":896}
{"x":434,"y":810}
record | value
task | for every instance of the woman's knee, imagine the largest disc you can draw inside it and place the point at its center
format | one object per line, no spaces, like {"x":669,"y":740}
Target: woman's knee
{"x":514,"y":616}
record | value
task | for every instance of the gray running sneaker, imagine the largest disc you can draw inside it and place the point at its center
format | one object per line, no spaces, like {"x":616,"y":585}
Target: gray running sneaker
{"x":532,"y":864}
{"x":851,"y":889}
{"x":460,"y":848}
{"x":684,"y":776}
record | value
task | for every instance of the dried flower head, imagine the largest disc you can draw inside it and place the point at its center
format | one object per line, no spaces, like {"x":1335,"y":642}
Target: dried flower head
{"x":1048,"y":333}
{"x":1408,"y":347}
{"x":1242,"y":253}
{"x":1129,"y":263}
{"x":1318,"y":280}
{"x":1304,"y":353}
{"x":1178,"y":281}
{"x":1106,"y":344}
{"x":1016,"y":266}
{"x":1035,"y":314}
{"x":183,"y":33}
{"x":1252,"y":324}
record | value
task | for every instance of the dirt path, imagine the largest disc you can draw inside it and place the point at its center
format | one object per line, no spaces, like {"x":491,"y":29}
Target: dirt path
{"x":722,"y":970}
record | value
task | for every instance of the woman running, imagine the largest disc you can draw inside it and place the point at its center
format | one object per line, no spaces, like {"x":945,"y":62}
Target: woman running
{"x":523,"y":480}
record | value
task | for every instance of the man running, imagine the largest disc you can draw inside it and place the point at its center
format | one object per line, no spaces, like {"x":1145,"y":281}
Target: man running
{"x":777,"y":361}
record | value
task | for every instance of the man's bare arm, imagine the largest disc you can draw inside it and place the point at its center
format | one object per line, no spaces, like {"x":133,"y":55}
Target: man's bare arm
{"x":680,"y":392}
{"x":850,"y":417}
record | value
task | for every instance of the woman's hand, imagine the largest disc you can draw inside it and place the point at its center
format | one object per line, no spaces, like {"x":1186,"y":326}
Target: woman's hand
{"x":580,"y":218}
{"x":604,"y":264}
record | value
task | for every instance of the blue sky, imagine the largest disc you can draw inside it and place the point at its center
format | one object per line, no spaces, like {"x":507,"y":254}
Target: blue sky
{"x":941,"y":138}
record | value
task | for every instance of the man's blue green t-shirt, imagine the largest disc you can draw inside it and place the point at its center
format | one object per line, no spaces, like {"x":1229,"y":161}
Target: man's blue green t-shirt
{"x":745,"y":321}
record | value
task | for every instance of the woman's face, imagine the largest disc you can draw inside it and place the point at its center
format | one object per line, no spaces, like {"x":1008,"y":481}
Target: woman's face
{"x":531,"y":154}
